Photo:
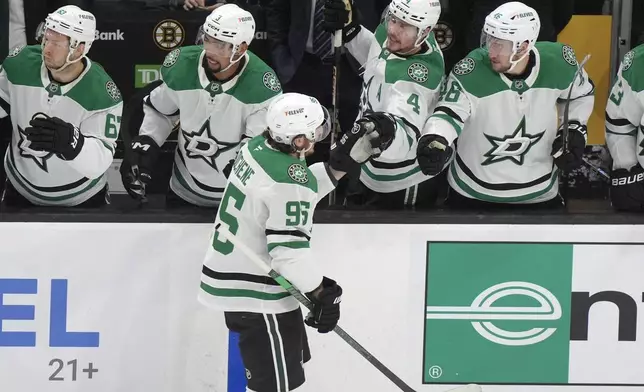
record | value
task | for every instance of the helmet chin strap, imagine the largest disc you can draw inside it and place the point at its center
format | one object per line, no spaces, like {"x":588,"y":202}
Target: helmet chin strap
{"x":514,"y":63}
{"x":68,"y":62}
{"x":232,"y":61}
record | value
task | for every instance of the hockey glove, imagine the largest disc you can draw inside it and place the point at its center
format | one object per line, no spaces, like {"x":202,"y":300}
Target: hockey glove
{"x":368,"y":138}
{"x":54,"y":135}
{"x":627,"y":189}
{"x":341,"y":15}
{"x":433,"y":153}
{"x":326,"y":306}
{"x":570,"y":160}
{"x":145,"y":152}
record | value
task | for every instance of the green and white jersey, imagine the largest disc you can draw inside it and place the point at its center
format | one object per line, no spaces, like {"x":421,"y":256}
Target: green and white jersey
{"x":506,"y":128}
{"x":92,"y":103}
{"x":214,"y":118}
{"x":268,"y":205}
{"x":407,"y":87}
{"x":625,"y":112}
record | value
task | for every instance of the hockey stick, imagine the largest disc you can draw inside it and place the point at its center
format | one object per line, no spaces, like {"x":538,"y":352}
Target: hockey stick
{"x":596,"y":169}
{"x":564,"y":133}
{"x":305,"y":301}
{"x":335,"y":97}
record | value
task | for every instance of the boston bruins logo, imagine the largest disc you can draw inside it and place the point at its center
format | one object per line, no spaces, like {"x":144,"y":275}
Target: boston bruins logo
{"x":168,"y":34}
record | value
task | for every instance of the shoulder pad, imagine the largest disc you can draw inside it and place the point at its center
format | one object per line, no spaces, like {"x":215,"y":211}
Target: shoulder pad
{"x":22,"y":65}
{"x":632,"y":70}
{"x":258,"y":83}
{"x":476,"y":75}
{"x":179,"y":67}
{"x":96,"y":90}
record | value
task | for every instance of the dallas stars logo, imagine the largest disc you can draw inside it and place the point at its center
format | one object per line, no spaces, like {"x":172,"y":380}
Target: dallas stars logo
{"x":203,"y":145}
{"x":40,"y":158}
{"x":513,"y":147}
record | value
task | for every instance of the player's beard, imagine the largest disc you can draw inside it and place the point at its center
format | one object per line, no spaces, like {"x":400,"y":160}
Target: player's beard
{"x":53,"y":65}
{"x":213,"y":65}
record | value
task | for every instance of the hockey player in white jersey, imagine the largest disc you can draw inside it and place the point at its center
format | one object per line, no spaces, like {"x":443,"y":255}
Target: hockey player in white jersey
{"x":218,"y":93}
{"x":66,"y":114}
{"x":403,"y":68}
{"x":501,"y":110}
{"x":269,"y":205}
{"x":625,"y":133}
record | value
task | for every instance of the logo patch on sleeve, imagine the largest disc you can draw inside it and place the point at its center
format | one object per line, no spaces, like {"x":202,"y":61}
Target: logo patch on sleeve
{"x":418,"y":72}
{"x":569,"y":55}
{"x":298,"y":174}
{"x":271,"y":82}
{"x":171,"y":58}
{"x":628,"y":60}
{"x":113,"y":91}
{"x":464,"y":67}
{"x":15,"y":51}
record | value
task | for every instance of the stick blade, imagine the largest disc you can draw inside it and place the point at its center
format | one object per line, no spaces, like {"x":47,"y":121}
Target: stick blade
{"x":467,"y":388}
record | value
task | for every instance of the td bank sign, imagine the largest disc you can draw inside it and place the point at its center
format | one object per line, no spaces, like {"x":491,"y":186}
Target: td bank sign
{"x":506,"y":313}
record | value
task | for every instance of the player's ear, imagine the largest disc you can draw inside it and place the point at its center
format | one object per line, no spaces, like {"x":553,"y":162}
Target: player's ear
{"x":79,"y":51}
{"x":243,"y":47}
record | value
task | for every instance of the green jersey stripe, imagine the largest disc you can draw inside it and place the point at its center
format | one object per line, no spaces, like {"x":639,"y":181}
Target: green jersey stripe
{"x":218,"y":292}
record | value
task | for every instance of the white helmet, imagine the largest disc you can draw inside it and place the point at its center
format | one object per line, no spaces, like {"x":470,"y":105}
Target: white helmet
{"x":292,"y":114}
{"x":514,"y":22}
{"x":232,"y":24}
{"x":423,"y":14}
{"x":78,"y":25}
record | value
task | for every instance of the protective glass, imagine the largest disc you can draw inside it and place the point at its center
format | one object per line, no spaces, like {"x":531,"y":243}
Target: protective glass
{"x":217,"y":47}
{"x":400,"y":29}
{"x":496,"y":46}
{"x":55,"y":39}
{"x":324,"y":129}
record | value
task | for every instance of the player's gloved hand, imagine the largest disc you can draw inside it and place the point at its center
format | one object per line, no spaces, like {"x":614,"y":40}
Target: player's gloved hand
{"x":627,"y":189}
{"x":326,"y":306}
{"x":341,"y":15}
{"x":54,"y":135}
{"x":144,"y":156}
{"x":368,"y":138}
{"x":570,"y":160}
{"x":433,"y":153}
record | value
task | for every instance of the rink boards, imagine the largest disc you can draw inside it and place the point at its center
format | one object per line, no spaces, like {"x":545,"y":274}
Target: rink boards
{"x":112,"y":307}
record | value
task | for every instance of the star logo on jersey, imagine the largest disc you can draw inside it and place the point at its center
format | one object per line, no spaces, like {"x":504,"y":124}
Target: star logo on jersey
{"x":513,"y":147}
{"x":40,"y":158}
{"x":297,"y":173}
{"x":203,"y":145}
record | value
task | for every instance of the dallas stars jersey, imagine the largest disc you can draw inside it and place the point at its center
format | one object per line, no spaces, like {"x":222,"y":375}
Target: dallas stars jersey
{"x":214,"y":118}
{"x":625,"y":112}
{"x":505,"y":128}
{"x":268,"y":205}
{"x":92,"y":103}
{"x":407,"y":87}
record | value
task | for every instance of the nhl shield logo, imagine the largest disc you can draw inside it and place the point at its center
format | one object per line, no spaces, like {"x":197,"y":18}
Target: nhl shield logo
{"x":418,"y":72}
{"x":298,"y":174}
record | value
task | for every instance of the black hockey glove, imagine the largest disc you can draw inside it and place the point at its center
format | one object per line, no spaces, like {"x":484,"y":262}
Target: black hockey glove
{"x":627,"y":189}
{"x":368,"y":138}
{"x":145,"y":152}
{"x":341,"y":15}
{"x":433,"y":153}
{"x":54,"y":135}
{"x":568,"y":161}
{"x":326,"y":306}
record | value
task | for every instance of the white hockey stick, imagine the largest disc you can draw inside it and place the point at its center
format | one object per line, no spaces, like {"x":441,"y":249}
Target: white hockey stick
{"x":264,"y":266}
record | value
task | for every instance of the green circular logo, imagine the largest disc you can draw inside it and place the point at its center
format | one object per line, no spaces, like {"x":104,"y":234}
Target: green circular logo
{"x":298,"y":174}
